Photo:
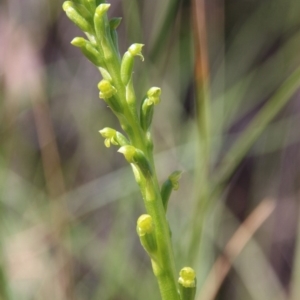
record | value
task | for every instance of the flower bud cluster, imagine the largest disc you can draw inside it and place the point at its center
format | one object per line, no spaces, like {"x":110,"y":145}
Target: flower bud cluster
{"x":116,"y":88}
{"x":101,"y":48}
{"x":78,"y":15}
{"x":127,"y":61}
{"x":93,"y":22}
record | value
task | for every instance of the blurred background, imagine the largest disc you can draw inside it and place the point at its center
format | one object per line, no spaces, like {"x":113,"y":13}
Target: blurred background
{"x":68,"y":205}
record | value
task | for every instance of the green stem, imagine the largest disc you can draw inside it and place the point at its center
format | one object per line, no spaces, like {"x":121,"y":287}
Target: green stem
{"x":4,"y":282}
{"x":164,"y":271}
{"x":204,"y":128}
{"x":164,"y":265}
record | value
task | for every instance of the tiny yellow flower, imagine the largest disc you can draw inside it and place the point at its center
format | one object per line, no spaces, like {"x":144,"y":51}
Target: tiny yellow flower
{"x":187,"y":277}
{"x":107,"y":90}
{"x":136,"y":50}
{"x":153,"y":95}
{"x":110,"y":136}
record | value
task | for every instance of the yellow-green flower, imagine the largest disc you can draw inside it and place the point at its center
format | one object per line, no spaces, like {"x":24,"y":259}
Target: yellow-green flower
{"x":187,"y":277}
{"x":136,"y":50}
{"x":153,"y":95}
{"x":107,"y":90}
{"x":144,"y":225}
{"x":110,"y":136}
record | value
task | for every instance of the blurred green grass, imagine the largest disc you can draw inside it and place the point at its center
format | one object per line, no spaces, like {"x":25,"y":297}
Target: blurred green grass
{"x":69,"y":206}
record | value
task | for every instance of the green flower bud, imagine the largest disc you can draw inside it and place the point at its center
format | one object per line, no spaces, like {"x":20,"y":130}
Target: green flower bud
{"x":146,"y":232}
{"x":146,"y":114}
{"x":102,"y":9}
{"x":76,"y":17}
{"x":187,"y":283}
{"x":79,"y":42}
{"x":89,"y":51}
{"x":153,"y":95}
{"x":107,"y":90}
{"x":127,"y":61}
{"x":136,"y":50}
{"x":172,"y":183}
{"x":187,"y":277}
{"x":126,"y":67}
{"x":147,"y":109}
{"x":103,"y":33}
{"x":137,"y":157}
{"x":109,"y":94}
{"x":144,"y":225}
{"x":101,"y":22}
{"x":129,"y":153}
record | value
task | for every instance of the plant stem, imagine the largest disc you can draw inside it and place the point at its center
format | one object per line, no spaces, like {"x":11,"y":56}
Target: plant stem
{"x":164,"y":270}
{"x":118,"y":92}
{"x":203,"y":119}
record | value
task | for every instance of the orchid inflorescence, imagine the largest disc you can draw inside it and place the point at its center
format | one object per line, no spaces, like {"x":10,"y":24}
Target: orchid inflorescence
{"x":116,"y":88}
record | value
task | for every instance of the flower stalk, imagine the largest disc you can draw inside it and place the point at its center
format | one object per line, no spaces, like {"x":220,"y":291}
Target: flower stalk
{"x":117,"y":90}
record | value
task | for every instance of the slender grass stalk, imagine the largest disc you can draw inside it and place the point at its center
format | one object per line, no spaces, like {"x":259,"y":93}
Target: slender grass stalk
{"x":213,"y":190}
{"x":233,"y":248}
{"x":204,"y":128}
{"x":165,"y":28}
{"x":240,"y":148}
{"x":4,"y":282}
{"x":5,"y":292}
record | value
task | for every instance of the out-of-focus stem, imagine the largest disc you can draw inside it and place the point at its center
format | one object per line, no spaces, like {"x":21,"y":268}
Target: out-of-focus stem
{"x":203,"y":121}
{"x":233,"y":248}
{"x":55,"y":187}
{"x":274,"y":105}
{"x":295,"y":287}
